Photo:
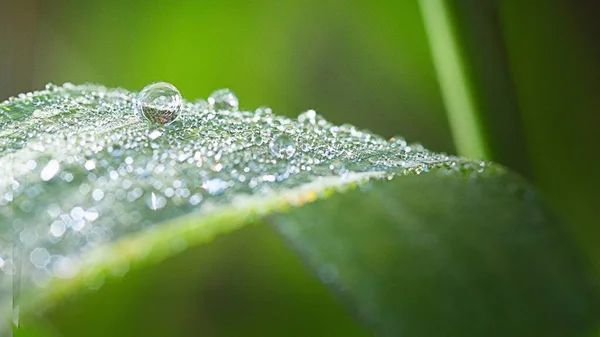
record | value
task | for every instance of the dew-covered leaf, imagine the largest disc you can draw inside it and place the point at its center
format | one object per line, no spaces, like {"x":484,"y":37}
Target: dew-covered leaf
{"x":91,"y":189}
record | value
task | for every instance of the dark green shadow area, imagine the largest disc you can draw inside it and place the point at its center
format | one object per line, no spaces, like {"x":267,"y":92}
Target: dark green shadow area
{"x":555,"y":58}
{"x":449,"y":255}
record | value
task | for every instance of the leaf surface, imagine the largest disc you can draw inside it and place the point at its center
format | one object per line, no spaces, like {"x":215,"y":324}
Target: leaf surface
{"x":91,"y":191}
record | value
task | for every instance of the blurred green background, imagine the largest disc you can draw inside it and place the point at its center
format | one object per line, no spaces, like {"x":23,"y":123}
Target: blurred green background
{"x":368,"y":63}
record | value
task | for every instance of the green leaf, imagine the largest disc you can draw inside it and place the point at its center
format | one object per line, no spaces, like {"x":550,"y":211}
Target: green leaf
{"x":446,"y":254}
{"x":95,"y":193}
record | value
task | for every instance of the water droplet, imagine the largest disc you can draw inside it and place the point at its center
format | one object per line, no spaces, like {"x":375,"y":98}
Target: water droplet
{"x":337,"y":167}
{"x":263,"y":111}
{"x":156,"y":202}
{"x":283,"y":146}
{"x":50,"y":170}
{"x":57,"y":228}
{"x":311,"y":117}
{"x":201,"y":104}
{"x":307,"y":116}
{"x":40,"y":257}
{"x":195,"y":199}
{"x":397,"y":141}
{"x":51,"y":86}
{"x":45,"y":113}
{"x":256,"y":139}
{"x":98,"y":194}
{"x":154,"y":134}
{"x":223,"y":99}
{"x":159,"y":102}
{"x":90,"y":165}
{"x":215,"y":186}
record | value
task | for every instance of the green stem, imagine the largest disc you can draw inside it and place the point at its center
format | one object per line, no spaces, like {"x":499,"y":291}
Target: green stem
{"x":471,"y":63}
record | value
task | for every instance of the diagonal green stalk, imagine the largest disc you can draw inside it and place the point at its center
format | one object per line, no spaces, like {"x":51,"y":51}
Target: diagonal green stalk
{"x":456,"y":88}
{"x":474,"y":77}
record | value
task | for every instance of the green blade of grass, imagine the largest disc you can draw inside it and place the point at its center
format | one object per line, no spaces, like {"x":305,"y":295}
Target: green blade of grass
{"x":470,"y":60}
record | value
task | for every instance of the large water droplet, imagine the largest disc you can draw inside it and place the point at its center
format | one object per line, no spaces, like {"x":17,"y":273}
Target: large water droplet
{"x":223,"y":99}
{"x":283,"y":146}
{"x":159,"y":102}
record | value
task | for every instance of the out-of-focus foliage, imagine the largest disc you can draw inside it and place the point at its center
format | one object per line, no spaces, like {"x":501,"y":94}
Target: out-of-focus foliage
{"x":554,"y":53}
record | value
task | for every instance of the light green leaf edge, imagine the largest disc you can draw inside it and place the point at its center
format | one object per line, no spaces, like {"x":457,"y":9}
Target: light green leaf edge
{"x":143,"y":249}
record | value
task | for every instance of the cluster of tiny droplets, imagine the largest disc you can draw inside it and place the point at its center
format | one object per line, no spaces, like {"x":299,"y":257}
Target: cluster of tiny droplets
{"x":79,"y":168}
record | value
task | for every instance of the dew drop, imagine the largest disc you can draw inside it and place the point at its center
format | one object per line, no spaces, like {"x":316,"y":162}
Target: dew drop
{"x":90,"y":165}
{"x":98,"y":194}
{"x":397,"y":141}
{"x":156,"y":202}
{"x":50,"y":170}
{"x":40,"y":257}
{"x":200,"y":104}
{"x":215,"y":186}
{"x":195,"y":199}
{"x":256,"y":139}
{"x":263,"y":111}
{"x":51,"y":87}
{"x":223,"y":99}
{"x":154,"y":134}
{"x":311,"y":117}
{"x":337,"y":167}
{"x":308,"y":116}
{"x":283,"y":146}
{"x":159,"y":102}
{"x":57,"y":228}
